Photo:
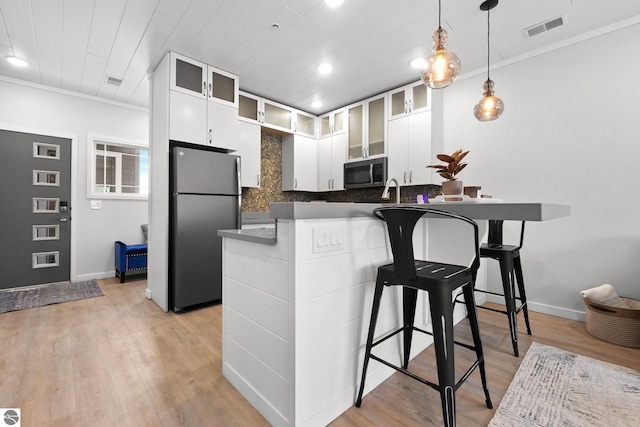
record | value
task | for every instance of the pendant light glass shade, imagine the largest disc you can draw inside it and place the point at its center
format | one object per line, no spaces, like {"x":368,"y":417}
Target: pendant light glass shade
{"x":442,"y":66}
{"x":490,"y":107}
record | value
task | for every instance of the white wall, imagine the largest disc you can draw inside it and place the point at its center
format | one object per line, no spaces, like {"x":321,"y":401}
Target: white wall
{"x":569,"y":134}
{"x":36,"y":109}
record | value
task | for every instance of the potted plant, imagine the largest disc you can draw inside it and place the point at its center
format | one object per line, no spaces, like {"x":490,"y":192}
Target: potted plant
{"x":449,"y":170}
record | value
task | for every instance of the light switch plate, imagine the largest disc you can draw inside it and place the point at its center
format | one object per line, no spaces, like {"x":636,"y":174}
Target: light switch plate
{"x":96,"y":204}
{"x":327,"y":240}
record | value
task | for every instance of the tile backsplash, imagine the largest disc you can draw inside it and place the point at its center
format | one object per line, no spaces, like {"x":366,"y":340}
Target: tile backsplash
{"x":258,"y":199}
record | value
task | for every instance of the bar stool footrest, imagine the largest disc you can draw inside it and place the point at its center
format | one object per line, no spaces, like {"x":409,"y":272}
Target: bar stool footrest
{"x":416,"y":377}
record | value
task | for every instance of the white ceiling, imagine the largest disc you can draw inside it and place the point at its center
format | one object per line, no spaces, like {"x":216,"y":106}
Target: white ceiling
{"x":77,"y":44}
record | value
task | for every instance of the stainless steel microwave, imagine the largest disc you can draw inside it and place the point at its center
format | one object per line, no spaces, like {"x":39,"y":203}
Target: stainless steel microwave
{"x":366,"y":173}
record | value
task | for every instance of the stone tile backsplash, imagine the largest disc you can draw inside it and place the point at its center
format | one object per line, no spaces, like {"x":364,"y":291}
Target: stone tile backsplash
{"x":258,"y":199}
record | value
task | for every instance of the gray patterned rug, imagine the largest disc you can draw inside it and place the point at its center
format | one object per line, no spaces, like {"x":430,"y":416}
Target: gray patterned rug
{"x":52,"y":293}
{"x":554,"y":387}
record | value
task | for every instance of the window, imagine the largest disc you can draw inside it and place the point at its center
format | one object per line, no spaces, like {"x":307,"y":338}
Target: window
{"x":119,"y":169}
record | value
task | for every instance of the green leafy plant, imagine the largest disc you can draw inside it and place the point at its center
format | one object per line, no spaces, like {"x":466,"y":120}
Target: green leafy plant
{"x":453,"y":164}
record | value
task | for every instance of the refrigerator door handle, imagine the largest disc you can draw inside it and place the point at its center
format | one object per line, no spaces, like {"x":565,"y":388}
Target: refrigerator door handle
{"x":238,"y":172}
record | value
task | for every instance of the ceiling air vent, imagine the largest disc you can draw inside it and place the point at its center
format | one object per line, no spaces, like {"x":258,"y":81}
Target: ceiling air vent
{"x":545,"y":26}
{"x":114,"y":81}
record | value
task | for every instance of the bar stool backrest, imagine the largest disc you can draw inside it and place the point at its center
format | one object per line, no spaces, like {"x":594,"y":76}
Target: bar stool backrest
{"x":401,"y":222}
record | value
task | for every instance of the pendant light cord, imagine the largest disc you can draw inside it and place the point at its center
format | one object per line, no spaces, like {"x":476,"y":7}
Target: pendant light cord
{"x":439,"y":13}
{"x":488,"y":43}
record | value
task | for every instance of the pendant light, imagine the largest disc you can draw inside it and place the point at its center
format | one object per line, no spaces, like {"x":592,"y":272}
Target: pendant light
{"x":490,"y":107}
{"x":442,"y":66}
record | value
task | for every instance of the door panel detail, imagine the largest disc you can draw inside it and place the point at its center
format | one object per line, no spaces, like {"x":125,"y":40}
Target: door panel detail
{"x":45,"y":259}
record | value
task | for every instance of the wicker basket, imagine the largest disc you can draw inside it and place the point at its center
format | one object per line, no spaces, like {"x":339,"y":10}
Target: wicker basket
{"x":616,"y":325}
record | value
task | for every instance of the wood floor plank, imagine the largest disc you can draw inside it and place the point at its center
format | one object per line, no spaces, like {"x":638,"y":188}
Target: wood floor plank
{"x":120,"y":361}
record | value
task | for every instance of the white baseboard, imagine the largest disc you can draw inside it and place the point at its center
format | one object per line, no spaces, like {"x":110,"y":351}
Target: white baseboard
{"x":85,"y":277}
{"x":546,"y":309}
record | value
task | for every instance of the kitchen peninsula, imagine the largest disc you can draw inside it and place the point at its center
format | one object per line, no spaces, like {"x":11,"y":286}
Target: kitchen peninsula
{"x":297,"y":299}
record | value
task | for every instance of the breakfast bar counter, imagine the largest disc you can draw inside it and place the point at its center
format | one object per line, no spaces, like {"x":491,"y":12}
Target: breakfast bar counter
{"x":296,"y":302}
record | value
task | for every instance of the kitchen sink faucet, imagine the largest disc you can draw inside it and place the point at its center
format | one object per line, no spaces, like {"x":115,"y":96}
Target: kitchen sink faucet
{"x":385,"y":193}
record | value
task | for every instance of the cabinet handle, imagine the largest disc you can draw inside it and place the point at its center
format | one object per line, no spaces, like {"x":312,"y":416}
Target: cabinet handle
{"x":404,"y":177}
{"x":204,"y":88}
{"x":210,"y":91}
{"x":333,"y":183}
{"x":210,"y":137}
{"x":406,"y":106}
{"x":258,"y":179}
{"x":410,"y":177}
{"x":410,"y":105}
{"x":370,"y":174}
{"x":295,"y":183}
{"x":364,"y":154}
{"x":329,"y":183}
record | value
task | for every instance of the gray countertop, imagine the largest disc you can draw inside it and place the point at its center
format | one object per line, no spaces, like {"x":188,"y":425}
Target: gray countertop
{"x":311,"y":210}
{"x":264,"y":236}
{"x":473,"y":209}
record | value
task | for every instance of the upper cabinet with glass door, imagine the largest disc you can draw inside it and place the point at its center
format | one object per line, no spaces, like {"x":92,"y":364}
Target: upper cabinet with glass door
{"x":367,"y":128}
{"x":304,"y":123}
{"x":272,"y":115}
{"x":195,"y":78}
{"x":332,"y":123}
{"x":409,"y":99}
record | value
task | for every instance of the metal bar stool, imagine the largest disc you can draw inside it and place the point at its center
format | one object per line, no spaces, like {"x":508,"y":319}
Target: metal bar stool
{"x":511,"y":272}
{"x":440,"y":280}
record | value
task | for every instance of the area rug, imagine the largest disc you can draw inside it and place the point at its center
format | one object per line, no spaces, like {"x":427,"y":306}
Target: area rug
{"x":52,"y":293}
{"x":553,"y":387}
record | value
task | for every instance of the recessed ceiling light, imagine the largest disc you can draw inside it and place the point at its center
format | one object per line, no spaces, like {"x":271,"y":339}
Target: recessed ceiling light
{"x":316,"y":104}
{"x":325,"y":68}
{"x":334,"y":3}
{"x":418,"y":63}
{"x":18,"y":62}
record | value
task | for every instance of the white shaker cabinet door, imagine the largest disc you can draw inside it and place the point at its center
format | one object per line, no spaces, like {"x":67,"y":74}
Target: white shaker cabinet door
{"x":249,"y":152}
{"x":187,"y":118}
{"x":222,"y":130}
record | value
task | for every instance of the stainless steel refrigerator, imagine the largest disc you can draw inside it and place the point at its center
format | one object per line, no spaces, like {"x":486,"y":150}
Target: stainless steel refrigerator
{"x":205,"y":197}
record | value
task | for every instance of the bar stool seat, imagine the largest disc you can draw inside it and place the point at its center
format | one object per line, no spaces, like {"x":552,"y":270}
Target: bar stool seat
{"x":440,"y":280}
{"x":508,"y":257}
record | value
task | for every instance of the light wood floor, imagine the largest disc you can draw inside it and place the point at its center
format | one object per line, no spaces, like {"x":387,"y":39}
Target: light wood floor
{"x":118,"y":360}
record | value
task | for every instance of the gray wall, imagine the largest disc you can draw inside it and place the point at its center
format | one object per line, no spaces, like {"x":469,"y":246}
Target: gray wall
{"x":30,"y":108}
{"x":570,"y":134}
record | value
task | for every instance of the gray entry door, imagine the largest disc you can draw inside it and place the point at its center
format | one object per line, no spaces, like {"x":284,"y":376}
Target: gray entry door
{"x":35,"y":210}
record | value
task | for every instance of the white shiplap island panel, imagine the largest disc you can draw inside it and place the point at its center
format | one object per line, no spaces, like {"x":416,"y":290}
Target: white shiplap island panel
{"x":296,"y":307}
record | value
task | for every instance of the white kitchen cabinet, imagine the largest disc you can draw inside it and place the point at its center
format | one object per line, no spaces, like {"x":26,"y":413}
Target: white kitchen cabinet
{"x":249,"y":152}
{"x":304,"y":123}
{"x":409,"y":99}
{"x":366,"y":129}
{"x":273,"y":115}
{"x":332,"y":123}
{"x":331,"y":158}
{"x":410,"y":149}
{"x":203,"y":104}
{"x":299,"y":163}
{"x":200,"y":80}
{"x":332,"y":151}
